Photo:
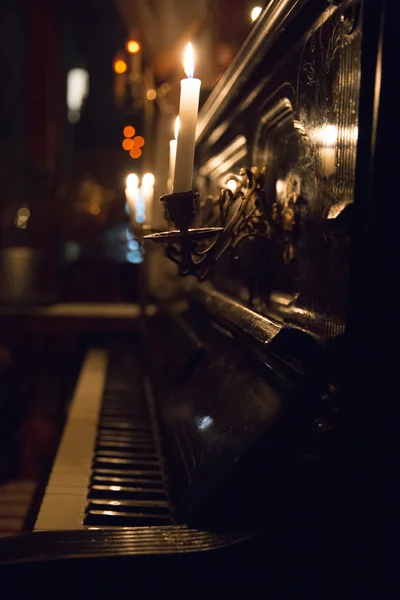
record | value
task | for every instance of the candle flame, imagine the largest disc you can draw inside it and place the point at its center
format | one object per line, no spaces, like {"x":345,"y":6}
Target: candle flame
{"x":188,"y":60}
{"x":176,"y":128}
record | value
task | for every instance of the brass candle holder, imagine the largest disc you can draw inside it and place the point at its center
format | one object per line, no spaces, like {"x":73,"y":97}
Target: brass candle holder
{"x":238,"y":216}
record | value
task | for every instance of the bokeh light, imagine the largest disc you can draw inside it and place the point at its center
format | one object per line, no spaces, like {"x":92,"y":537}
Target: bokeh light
{"x":77,"y":91}
{"x":133,"y":47}
{"x":138,"y":141}
{"x":127,"y":144}
{"x":148,"y":180}
{"x":231,"y":185}
{"x":132,"y":181}
{"x":120,"y":66}
{"x":24,"y":212}
{"x":135,"y":152}
{"x":129,"y":131}
{"x":94,"y":209}
{"x":21,"y":222}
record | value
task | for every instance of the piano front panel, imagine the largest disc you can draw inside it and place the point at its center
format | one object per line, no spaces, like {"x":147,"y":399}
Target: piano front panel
{"x":294,"y":114}
{"x":238,"y":415}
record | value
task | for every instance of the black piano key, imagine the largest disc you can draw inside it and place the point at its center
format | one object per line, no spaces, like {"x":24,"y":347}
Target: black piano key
{"x":155,"y":483}
{"x":141,"y":444}
{"x":113,"y":408}
{"x":131,"y":439}
{"x":120,"y":469}
{"x":116,"y":519}
{"x":141,"y":419}
{"x":126,"y":440}
{"x":123,"y":425}
{"x":127,"y":472}
{"x":122,"y":487}
{"x":125,"y":435}
{"x":137,"y":421}
{"x":117,"y":492}
{"x":125,"y":446}
{"x":130,"y":506}
{"x":126,"y":462}
{"x":123,"y":455}
{"x":126,"y":443}
{"x":140,"y":435}
{"x":143,"y":457}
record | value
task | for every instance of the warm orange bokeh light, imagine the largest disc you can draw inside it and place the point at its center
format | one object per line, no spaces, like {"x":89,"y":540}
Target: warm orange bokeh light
{"x":94,"y":209}
{"x":138,"y":141}
{"x":120,"y":66}
{"x":127,"y":144}
{"x":133,"y":47}
{"x":135,"y":152}
{"x":129,"y":131}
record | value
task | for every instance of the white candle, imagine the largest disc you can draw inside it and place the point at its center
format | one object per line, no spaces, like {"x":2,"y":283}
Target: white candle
{"x":188,"y":109}
{"x":131,"y":192}
{"x":148,"y":194}
{"x":172,"y":156}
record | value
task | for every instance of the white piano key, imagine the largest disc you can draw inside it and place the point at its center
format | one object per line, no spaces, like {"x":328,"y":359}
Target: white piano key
{"x":65,"y":498}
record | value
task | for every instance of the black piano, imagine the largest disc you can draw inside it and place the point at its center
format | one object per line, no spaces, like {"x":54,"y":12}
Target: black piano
{"x":224,"y":448}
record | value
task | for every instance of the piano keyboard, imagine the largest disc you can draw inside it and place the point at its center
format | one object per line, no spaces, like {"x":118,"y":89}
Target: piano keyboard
{"x":108,"y":471}
{"x":107,"y":493}
{"x":15,"y":501}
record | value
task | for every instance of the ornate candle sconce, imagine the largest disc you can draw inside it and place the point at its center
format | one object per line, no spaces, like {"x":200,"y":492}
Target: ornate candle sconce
{"x":240,"y":216}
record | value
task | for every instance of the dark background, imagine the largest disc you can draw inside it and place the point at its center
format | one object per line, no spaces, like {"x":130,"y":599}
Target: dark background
{"x":45,"y":160}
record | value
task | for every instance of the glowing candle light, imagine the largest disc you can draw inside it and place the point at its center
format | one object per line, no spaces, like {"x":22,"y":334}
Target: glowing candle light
{"x":328,"y":138}
{"x":188,"y":110}
{"x":131,"y":192}
{"x":147,"y":189}
{"x":255,"y":13}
